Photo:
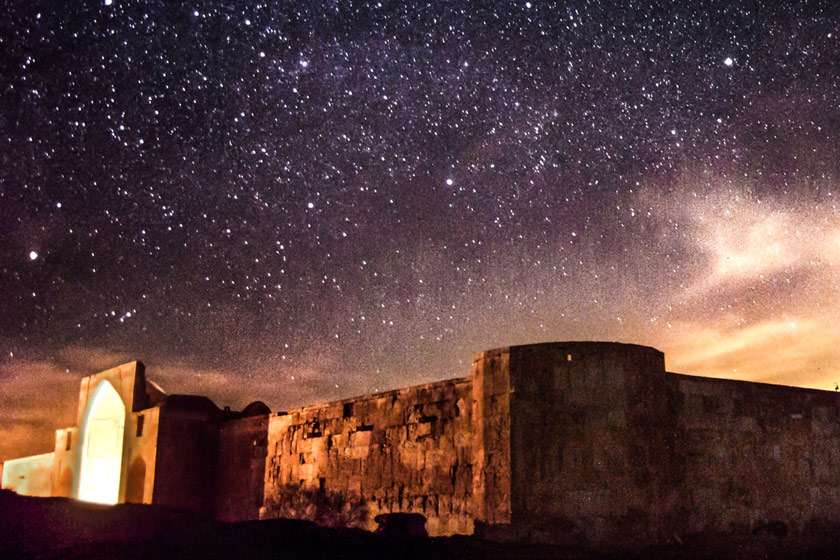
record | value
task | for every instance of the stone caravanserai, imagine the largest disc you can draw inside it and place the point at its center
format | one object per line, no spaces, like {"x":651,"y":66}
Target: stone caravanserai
{"x":557,"y":442}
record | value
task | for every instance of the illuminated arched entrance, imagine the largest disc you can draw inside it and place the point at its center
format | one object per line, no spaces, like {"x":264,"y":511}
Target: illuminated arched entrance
{"x":101,"y":460}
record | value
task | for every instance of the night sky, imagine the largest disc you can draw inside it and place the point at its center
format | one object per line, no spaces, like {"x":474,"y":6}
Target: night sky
{"x":311,"y":200}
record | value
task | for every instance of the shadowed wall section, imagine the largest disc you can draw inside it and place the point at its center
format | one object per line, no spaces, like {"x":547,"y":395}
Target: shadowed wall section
{"x":240,"y":476}
{"x":750,"y":454}
{"x":187,"y":453}
{"x":587,"y":439}
{"x":135,"y":485}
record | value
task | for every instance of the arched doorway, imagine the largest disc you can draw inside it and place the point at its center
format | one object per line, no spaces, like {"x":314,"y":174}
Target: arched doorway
{"x":102,"y":444}
{"x":135,"y":481}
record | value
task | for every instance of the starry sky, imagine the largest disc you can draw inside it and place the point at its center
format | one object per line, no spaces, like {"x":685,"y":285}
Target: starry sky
{"x":301,"y":201}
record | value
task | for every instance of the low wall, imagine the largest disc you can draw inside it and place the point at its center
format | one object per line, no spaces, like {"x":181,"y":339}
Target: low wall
{"x":29,"y":476}
{"x":343,"y":463}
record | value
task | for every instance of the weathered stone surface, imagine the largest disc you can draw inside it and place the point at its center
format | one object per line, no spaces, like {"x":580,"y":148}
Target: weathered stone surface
{"x":586,"y":424}
{"x":240,"y":471}
{"x":345,"y":463}
{"x":572,"y":442}
{"x":749,"y":454}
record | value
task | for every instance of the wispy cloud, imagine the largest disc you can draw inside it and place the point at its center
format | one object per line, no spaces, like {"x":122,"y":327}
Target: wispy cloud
{"x":800,"y":353}
{"x":757,"y":300}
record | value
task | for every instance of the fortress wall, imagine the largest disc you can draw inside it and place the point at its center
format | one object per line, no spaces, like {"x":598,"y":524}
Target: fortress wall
{"x":747,"y":454}
{"x":186,"y":459}
{"x":586,"y":442}
{"x":343,"y":463}
{"x":240,"y":475}
{"x":491,"y":439}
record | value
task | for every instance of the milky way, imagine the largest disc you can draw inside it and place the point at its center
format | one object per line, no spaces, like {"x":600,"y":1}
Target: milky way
{"x":313,"y":200}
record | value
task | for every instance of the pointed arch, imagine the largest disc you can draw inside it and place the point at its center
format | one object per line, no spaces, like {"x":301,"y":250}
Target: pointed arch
{"x":135,"y":484}
{"x":102,"y":446}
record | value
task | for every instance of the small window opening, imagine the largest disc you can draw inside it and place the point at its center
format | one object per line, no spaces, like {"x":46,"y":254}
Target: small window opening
{"x":322,"y":484}
{"x":348,"y":410}
{"x":568,"y":357}
{"x":140,"y":421}
{"x":313,"y":431}
{"x":69,"y":441}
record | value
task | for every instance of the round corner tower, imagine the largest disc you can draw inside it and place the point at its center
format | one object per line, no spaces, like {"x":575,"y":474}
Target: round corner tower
{"x":569,"y":431}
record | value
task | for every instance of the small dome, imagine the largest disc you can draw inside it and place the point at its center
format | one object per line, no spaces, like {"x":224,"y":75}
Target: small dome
{"x":256,"y":408}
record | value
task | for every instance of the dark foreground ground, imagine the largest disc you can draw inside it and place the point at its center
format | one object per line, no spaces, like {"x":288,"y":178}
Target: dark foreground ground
{"x":48,"y":528}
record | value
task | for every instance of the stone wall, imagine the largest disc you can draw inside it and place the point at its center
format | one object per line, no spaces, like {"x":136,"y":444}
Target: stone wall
{"x":749,"y":454}
{"x":491,"y":500}
{"x":343,"y":463}
{"x":240,"y":474}
{"x":187,"y":454}
{"x":586,"y":442}
{"x":565,"y":442}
